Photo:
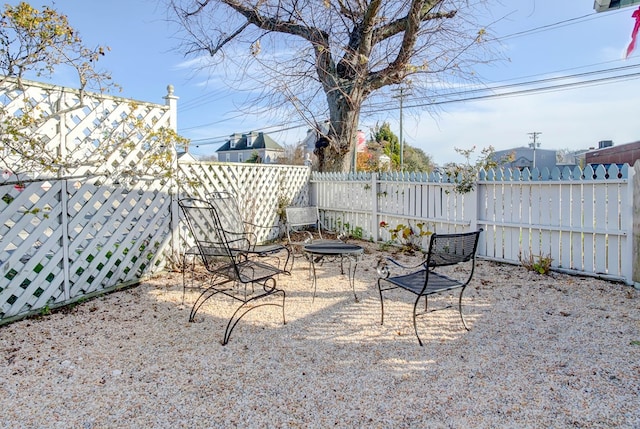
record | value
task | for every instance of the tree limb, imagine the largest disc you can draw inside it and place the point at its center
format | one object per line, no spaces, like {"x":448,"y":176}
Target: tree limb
{"x":213,"y":50}
{"x":409,"y":25}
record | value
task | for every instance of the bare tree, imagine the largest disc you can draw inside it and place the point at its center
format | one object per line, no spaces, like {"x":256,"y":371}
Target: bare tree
{"x":332,"y":58}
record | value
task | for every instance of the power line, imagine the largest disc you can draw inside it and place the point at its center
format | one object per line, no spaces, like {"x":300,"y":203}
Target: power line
{"x":551,"y":88}
{"x":555,"y":25}
{"x":467,"y":95}
{"x":222,"y":139}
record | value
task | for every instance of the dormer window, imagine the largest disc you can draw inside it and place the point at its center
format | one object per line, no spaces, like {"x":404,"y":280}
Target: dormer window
{"x":251,"y":138}
{"x":235,"y":138}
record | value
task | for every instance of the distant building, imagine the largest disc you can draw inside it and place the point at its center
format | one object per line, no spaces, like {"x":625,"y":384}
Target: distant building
{"x":571,"y":159}
{"x":184,"y":156}
{"x":526,"y":157}
{"x":606,"y":5}
{"x":308,"y":144}
{"x":608,"y":154}
{"x":242,"y":147}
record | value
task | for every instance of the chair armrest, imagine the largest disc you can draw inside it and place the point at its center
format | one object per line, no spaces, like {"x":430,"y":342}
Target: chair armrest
{"x":383,"y":266}
{"x":342,"y":236}
{"x":237,"y":239}
{"x":307,"y":240}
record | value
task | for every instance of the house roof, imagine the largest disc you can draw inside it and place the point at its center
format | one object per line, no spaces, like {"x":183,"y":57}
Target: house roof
{"x":261,"y":141}
{"x":185,"y":156}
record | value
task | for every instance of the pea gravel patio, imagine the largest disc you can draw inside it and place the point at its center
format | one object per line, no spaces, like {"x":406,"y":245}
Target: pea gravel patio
{"x":543,"y":351}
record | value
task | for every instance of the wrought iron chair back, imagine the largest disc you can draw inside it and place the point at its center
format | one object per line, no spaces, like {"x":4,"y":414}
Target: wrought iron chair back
{"x":230,"y":217}
{"x":306,"y":220}
{"x":451,"y":249}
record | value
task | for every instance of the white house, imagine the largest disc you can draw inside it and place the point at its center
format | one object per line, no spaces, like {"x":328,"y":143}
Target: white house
{"x":241,"y":147}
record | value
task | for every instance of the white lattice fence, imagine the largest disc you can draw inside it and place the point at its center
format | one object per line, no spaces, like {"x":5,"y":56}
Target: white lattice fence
{"x":116,"y":235}
{"x":262,"y":190}
{"x":80,"y":133}
{"x":30,"y":257}
{"x":63,"y":239}
{"x":76,"y":239}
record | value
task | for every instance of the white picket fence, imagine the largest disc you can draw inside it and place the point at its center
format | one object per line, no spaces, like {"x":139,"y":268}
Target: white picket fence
{"x":583,"y":220}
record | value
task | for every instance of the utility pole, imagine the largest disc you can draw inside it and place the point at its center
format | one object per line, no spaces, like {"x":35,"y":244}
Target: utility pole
{"x":534,"y":143}
{"x":401,"y":90}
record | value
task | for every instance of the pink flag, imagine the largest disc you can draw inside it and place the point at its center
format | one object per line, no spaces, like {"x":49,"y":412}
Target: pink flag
{"x":634,"y":33}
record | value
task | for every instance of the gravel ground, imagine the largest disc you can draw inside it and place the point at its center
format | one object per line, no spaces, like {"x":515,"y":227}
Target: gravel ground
{"x":553,"y":351}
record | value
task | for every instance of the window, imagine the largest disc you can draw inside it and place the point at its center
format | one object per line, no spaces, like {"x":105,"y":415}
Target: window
{"x":228,"y":157}
{"x":240,"y":157}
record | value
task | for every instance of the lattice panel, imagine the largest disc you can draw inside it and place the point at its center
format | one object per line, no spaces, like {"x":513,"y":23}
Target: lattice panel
{"x":31,"y":261}
{"x":116,"y":235}
{"x":103,"y":236}
{"x":95,"y":134}
{"x":259,"y":188}
{"x":62,"y":240}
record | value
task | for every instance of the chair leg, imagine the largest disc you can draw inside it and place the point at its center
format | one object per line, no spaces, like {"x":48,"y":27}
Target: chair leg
{"x":293,"y":260}
{"x":460,"y":309}
{"x":184,"y":275}
{"x":381,"y":303}
{"x":204,"y":296}
{"x":415,"y":324}
{"x":233,"y":321}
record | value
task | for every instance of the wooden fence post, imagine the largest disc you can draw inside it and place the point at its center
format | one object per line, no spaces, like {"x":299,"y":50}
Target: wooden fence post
{"x":172,"y":101}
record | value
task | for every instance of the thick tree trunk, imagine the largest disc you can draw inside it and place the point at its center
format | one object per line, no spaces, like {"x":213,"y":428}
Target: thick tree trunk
{"x":338,"y":156}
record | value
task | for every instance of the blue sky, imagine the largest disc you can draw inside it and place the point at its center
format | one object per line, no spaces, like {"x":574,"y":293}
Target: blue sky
{"x":549,"y":38}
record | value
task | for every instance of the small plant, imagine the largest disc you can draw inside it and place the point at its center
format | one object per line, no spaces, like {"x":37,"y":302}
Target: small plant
{"x":384,"y":245}
{"x":465,"y":175}
{"x":45,"y":311}
{"x":409,"y":237}
{"x":541,"y":264}
{"x":281,"y":210}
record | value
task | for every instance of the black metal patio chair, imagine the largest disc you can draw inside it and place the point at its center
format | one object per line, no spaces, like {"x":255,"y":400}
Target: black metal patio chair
{"x":232,"y":265}
{"x":423,"y":280}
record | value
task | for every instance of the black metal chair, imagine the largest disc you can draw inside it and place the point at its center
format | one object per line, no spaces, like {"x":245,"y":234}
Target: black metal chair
{"x":444,"y":250}
{"x":232,"y":264}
